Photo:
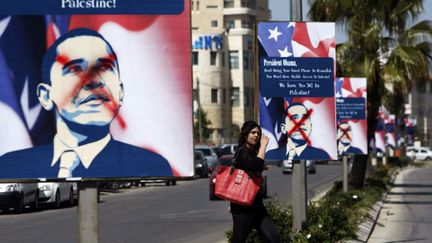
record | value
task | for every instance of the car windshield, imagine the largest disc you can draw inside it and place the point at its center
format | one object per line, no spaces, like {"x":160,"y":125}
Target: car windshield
{"x":198,"y":156}
{"x":207,"y":152}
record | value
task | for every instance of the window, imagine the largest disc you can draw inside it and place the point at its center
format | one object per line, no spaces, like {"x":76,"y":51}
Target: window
{"x":230,"y":24}
{"x":212,"y":6}
{"x":214,"y":23}
{"x":223,"y":59}
{"x":194,"y":58}
{"x":213,"y":56}
{"x":197,"y":5}
{"x":249,"y":97}
{"x":214,"y":95}
{"x":224,"y":96}
{"x":245,"y":59}
{"x":234,"y":59}
{"x":228,"y":3}
{"x":194,"y":94}
{"x":235,"y":96}
{"x":246,"y":24}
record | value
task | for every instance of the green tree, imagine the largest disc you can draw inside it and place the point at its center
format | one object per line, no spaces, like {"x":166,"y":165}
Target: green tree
{"x":380,"y":48}
{"x":201,"y":122}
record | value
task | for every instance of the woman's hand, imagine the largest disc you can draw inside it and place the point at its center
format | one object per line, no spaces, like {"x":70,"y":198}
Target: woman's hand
{"x":263,"y":145}
{"x":264,"y":140}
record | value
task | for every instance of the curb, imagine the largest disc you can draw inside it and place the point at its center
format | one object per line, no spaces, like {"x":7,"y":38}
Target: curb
{"x":365,"y":229}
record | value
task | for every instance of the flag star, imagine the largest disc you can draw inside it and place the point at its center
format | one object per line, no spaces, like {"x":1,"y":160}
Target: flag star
{"x":274,"y":33}
{"x":285,"y":52}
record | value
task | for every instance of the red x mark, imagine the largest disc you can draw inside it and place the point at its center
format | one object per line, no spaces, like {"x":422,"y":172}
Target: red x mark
{"x":345,"y":132}
{"x":88,"y":76}
{"x":297,"y":125}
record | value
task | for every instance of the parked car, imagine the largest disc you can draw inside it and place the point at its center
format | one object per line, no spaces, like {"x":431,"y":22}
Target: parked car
{"x":411,"y":152}
{"x":18,"y":196}
{"x":56,"y":193}
{"x":423,"y":153}
{"x":226,"y":160}
{"x":287,"y":167}
{"x":201,"y":164}
{"x":209,"y":153}
{"x":228,"y":148}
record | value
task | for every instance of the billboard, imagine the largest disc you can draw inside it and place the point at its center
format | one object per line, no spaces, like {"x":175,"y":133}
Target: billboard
{"x":296,"y":63}
{"x":95,"y":89}
{"x":351,"y":115}
{"x":380,"y":134}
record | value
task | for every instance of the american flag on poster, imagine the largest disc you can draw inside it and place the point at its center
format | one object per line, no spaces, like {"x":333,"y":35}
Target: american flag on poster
{"x":22,"y":44}
{"x":389,"y":126}
{"x":352,"y":126}
{"x":380,"y":134}
{"x":151,"y":51}
{"x":300,"y":40}
{"x":410,"y":124}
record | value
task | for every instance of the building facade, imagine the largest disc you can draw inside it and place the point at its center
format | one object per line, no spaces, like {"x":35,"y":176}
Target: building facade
{"x":223,"y":62}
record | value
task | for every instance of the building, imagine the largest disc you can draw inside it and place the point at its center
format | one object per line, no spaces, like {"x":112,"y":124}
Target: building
{"x":223,"y":62}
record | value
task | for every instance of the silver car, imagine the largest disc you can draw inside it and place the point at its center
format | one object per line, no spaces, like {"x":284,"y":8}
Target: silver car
{"x":56,"y":193}
{"x":288,"y":168}
{"x":209,"y":153}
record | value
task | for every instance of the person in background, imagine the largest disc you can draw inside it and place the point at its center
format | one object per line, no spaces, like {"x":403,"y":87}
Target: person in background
{"x":250,"y":157}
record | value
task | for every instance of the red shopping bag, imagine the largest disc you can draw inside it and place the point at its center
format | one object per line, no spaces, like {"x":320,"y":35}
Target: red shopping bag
{"x":237,"y":186}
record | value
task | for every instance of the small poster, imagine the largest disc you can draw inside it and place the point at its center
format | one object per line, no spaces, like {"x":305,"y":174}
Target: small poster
{"x":351,"y":115}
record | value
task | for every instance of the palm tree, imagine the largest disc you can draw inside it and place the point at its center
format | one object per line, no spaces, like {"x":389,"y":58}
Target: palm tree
{"x":380,"y":48}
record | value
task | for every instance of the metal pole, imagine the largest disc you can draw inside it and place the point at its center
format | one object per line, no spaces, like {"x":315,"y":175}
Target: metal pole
{"x":345,"y":173}
{"x":299,"y":194}
{"x":299,"y":183}
{"x":200,"y":129}
{"x":296,"y":10}
{"x":87,"y":212}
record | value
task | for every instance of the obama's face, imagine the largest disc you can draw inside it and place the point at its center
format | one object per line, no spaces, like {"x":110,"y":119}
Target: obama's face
{"x":298,"y":122}
{"x":85,"y":86}
{"x":344,"y":133}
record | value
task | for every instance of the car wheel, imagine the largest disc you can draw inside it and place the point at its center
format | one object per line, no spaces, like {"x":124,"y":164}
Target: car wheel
{"x":71,"y":198}
{"x":19,"y":208}
{"x":36,"y":202}
{"x":173,"y":182}
{"x":57,"y":199}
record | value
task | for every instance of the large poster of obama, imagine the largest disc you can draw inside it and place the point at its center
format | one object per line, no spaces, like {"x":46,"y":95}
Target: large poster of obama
{"x":91,"y":96}
{"x":296,"y":89}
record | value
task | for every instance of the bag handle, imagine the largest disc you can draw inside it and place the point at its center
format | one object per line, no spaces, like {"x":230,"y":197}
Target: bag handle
{"x":234,"y":161}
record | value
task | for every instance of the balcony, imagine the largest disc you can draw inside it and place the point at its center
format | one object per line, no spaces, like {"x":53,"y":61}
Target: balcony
{"x":239,"y":10}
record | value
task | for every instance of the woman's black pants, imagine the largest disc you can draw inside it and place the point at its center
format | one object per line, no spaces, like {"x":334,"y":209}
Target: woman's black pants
{"x":245,"y":222}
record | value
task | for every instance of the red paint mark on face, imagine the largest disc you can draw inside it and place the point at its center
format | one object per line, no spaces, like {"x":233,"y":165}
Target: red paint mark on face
{"x":62,"y":59}
{"x":345,"y":133}
{"x":297,"y":125}
{"x":86,"y":79}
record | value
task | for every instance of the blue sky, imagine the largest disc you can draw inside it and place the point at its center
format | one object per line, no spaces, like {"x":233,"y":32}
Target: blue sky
{"x":281,"y":11}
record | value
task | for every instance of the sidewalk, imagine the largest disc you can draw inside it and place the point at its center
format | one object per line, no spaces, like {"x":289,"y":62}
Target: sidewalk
{"x":406,"y":214}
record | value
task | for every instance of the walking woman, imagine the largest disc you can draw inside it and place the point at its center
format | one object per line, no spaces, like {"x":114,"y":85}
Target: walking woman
{"x":250,"y":157}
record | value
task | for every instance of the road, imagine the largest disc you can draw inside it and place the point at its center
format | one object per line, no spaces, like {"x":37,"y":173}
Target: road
{"x":158,"y":213}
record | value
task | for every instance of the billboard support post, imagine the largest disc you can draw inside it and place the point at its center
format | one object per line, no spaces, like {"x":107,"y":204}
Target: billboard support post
{"x":345,"y":173}
{"x":299,"y":192}
{"x":87,"y":211}
{"x":299,"y":186}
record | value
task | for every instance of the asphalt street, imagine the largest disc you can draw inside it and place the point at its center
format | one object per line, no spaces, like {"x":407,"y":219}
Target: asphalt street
{"x":158,"y":213}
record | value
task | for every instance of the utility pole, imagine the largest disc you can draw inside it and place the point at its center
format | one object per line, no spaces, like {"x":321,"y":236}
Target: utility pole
{"x":299,"y":186}
{"x":200,"y":130}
